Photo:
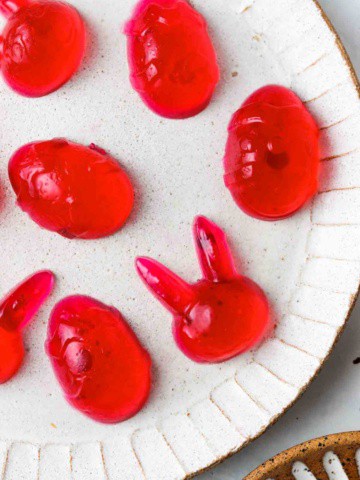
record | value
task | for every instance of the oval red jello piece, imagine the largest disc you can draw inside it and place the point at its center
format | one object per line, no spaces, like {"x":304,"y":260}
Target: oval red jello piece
{"x":43,"y":44}
{"x":76,"y":191}
{"x":100,"y":364}
{"x":173,"y":64}
{"x":272,"y":155}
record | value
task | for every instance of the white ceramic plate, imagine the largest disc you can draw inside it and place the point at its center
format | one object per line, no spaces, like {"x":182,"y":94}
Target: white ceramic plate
{"x":308,"y":264}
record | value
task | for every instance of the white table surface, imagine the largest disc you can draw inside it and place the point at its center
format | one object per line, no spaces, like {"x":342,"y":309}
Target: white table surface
{"x":332,"y":402}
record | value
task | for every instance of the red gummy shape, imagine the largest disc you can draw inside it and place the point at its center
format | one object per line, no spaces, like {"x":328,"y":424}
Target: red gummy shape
{"x":220,"y":316}
{"x":16,"y":310}
{"x":43,"y":44}
{"x":70,"y":189}
{"x":98,"y":360}
{"x":172,"y":60}
{"x":272,"y":154}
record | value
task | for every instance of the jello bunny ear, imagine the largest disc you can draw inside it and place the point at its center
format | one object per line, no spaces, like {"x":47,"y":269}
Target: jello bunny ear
{"x":213,"y":251}
{"x":22,"y":303}
{"x":173,"y":292}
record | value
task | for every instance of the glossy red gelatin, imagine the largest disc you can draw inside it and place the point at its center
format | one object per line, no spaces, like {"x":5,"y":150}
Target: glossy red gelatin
{"x":70,"y":189}
{"x":272,"y":154}
{"x":172,"y":60}
{"x":220,"y":316}
{"x":17,"y":309}
{"x":43,"y":44}
{"x":99,"y":362}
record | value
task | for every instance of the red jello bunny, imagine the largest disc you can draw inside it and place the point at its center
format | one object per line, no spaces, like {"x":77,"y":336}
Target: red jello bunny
{"x":220,"y":316}
{"x":42,"y":45}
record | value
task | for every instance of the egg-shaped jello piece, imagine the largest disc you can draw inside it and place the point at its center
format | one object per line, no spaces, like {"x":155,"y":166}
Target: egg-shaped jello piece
{"x":173,"y":64}
{"x":76,"y":191}
{"x":100,"y":364}
{"x":272,"y":154}
{"x":43,"y":44}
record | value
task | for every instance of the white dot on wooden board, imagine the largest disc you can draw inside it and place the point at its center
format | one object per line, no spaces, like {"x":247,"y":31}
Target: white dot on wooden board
{"x":357,"y":458}
{"x":333,"y":467}
{"x":301,"y":472}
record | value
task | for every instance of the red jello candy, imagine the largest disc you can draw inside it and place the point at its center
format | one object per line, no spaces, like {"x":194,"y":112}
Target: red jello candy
{"x":220,"y":316}
{"x":99,"y":362}
{"x":16,"y":310}
{"x":172,"y":60}
{"x":43,"y":44}
{"x":70,"y":189}
{"x":272,"y":154}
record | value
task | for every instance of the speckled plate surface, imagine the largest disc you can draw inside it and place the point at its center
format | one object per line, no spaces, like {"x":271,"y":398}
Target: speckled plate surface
{"x":333,"y":457}
{"x":308,"y":264}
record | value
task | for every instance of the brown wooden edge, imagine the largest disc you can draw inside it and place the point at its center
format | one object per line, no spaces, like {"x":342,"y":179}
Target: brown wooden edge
{"x":311,"y":453}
